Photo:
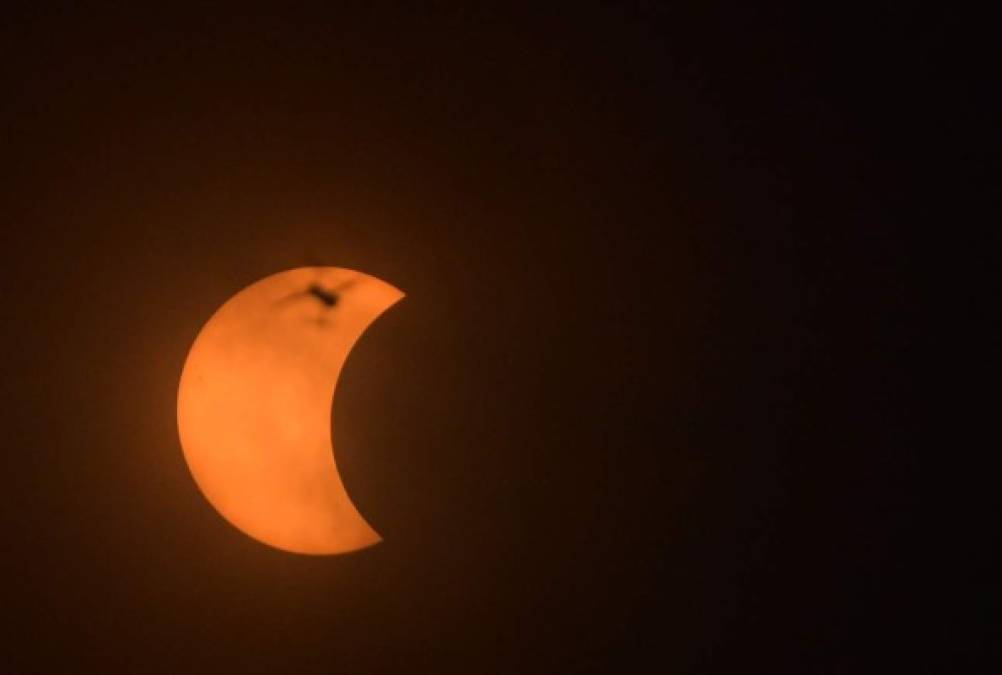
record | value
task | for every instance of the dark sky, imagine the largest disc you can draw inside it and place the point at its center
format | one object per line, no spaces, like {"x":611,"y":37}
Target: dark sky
{"x":642,"y":410}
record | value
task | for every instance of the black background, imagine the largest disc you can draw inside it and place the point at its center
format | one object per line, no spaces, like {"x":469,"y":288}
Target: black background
{"x":645,"y":408}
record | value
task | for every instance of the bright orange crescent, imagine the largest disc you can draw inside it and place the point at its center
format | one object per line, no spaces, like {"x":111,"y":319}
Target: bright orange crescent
{"x":254,"y":406}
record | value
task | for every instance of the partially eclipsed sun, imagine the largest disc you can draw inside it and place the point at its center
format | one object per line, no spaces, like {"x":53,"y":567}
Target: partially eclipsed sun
{"x":254,"y":406}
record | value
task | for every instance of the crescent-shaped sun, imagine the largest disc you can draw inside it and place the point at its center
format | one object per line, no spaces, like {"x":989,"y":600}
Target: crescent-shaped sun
{"x":254,"y":405}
